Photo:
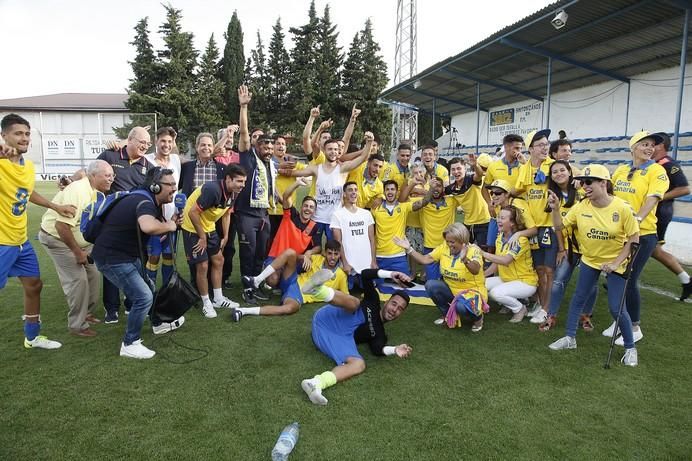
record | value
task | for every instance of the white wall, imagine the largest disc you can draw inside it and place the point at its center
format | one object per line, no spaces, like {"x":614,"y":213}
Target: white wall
{"x":599,"y":110}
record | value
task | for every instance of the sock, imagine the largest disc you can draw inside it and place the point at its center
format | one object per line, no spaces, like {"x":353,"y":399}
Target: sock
{"x":325,"y":380}
{"x":218,"y":294}
{"x":684,"y":277}
{"x":31,"y":330}
{"x":249,"y":310}
{"x":266,"y":272}
{"x":152,"y":270}
{"x":323,"y":294}
{"x":205,"y":299}
{"x":166,"y":271}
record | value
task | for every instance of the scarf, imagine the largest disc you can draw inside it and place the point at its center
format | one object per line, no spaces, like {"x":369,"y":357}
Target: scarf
{"x":262,"y":185}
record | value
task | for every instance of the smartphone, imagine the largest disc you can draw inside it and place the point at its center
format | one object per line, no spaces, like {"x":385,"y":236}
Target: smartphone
{"x":409,"y":284}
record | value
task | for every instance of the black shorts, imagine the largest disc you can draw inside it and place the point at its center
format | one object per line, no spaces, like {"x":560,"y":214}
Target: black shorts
{"x":190,"y":239}
{"x":479,"y":233}
{"x":664,"y":216}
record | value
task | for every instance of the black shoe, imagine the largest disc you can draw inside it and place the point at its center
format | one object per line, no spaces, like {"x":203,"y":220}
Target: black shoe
{"x":249,"y":297}
{"x":236,"y":315}
{"x":227,"y":284}
{"x":260,"y":295}
{"x":686,"y":290}
{"x":248,"y":282}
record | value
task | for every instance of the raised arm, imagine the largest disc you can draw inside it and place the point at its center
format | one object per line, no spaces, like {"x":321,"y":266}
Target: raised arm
{"x":286,"y":198}
{"x":406,"y":245}
{"x":244,"y":97}
{"x":362,"y":154}
{"x":324,"y":126}
{"x":307,"y":131}
{"x":351,"y":126}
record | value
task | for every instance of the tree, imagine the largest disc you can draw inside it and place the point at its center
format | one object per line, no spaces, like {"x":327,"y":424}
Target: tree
{"x":328,"y":72}
{"x":258,"y":80}
{"x":425,"y":135}
{"x":208,"y":95}
{"x":278,"y":80}
{"x":233,"y":66}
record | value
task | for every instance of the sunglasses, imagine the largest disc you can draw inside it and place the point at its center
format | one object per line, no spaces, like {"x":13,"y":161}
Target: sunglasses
{"x":497,"y":192}
{"x":589,"y":181}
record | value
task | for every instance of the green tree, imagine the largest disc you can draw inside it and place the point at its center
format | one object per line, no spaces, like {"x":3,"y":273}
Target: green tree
{"x":208,"y":95}
{"x":278,"y":80}
{"x":425,"y":134}
{"x":258,"y":80}
{"x":328,"y":72}
{"x":233,"y":66}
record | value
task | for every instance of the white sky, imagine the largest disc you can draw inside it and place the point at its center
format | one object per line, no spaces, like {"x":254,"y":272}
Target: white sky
{"x":80,"y":46}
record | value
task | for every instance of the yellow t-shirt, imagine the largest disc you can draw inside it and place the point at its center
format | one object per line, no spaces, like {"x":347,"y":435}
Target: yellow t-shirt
{"x":474,"y":205}
{"x":568,"y":234}
{"x":80,"y":194}
{"x":536,"y":195}
{"x":414,"y":217}
{"x":435,"y":217}
{"x":649,"y":181}
{"x":388,"y":225}
{"x":392,"y":171}
{"x":339,"y":282}
{"x":367,"y":190}
{"x":441,"y":172}
{"x":521,"y":268}
{"x":523,"y":208}
{"x":601,"y":232}
{"x":16,"y":185}
{"x":207,"y":217}
{"x":455,"y":273}
{"x":282,"y":183}
{"x":498,"y":169}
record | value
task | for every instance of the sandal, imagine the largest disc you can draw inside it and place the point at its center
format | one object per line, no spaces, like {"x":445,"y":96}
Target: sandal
{"x":477,"y":325}
{"x":585,"y":322}
{"x":549,"y":324}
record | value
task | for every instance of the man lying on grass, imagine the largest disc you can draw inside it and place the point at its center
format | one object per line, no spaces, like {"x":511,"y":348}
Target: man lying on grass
{"x":339,"y":326}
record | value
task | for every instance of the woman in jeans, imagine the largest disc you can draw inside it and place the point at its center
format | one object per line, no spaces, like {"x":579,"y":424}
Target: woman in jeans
{"x":516,"y":278}
{"x":606,"y":228}
{"x":461,"y":266}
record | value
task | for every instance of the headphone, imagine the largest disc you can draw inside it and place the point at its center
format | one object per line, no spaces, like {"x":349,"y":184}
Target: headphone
{"x":154,"y":185}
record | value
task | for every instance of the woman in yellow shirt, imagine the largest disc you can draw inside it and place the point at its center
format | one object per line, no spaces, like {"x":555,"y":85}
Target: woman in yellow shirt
{"x":516,"y":278}
{"x":605,"y":227}
{"x":461,"y":266}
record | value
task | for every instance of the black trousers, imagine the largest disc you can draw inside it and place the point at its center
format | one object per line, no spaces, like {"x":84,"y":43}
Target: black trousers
{"x":253,"y":241}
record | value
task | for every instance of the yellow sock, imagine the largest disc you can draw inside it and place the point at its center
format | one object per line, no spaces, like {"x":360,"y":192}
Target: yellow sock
{"x":326,"y":379}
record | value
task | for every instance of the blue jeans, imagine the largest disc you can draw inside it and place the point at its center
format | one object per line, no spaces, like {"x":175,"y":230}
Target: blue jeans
{"x":563,"y":273}
{"x":128,"y":278}
{"x":323,"y":229}
{"x":441,"y":295}
{"x":432,"y":270}
{"x":588,"y":277}
{"x":647,"y":245}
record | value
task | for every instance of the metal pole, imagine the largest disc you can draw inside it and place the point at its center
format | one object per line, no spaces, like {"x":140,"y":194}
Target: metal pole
{"x":478,"y":114}
{"x":681,"y":88}
{"x":433,"y":118}
{"x":550,"y":78}
{"x":627,"y":109}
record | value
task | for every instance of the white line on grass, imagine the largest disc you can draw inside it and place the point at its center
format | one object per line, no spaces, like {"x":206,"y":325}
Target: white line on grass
{"x":658,"y":291}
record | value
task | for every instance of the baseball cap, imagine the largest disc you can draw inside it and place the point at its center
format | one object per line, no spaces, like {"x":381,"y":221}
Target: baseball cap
{"x":636,"y":137}
{"x":499,"y":184}
{"x":535,"y":134}
{"x":594,"y":171}
{"x":484,"y":160}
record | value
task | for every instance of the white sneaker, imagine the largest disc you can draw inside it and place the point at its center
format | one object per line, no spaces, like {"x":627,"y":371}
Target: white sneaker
{"x":630,"y":358}
{"x":566,"y":342}
{"x":208,"y":311}
{"x":318,"y":279}
{"x":165,"y":327}
{"x":313,"y":392}
{"x":136,"y":350}
{"x":225,"y":303}
{"x":637,"y":334}
{"x":439,"y":321}
{"x":535,"y":309}
{"x":539,"y":317}
{"x":608,"y":332}
{"x":41,"y":342}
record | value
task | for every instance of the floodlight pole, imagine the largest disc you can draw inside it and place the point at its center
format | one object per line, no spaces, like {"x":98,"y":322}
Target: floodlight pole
{"x":550,"y":75}
{"x":681,"y":87}
{"x":434,"y":103}
{"x":478,"y":114}
{"x":627,"y":109}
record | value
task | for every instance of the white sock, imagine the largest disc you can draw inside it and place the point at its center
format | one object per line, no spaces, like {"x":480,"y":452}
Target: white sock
{"x":249,"y":310}
{"x":218,"y":293}
{"x":329,"y":294}
{"x":205,"y":299}
{"x":684,"y":277}
{"x":266,"y":272}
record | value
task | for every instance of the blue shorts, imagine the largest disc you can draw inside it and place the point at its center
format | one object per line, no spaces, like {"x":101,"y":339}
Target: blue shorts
{"x":492,"y":233}
{"x":332,"y":332}
{"x":18,"y":261}
{"x":324,"y":229}
{"x":432,"y":270}
{"x":156,"y":247}
{"x":290,"y":289}
{"x":397,"y":263}
{"x":546,"y":253}
{"x":190,"y":239}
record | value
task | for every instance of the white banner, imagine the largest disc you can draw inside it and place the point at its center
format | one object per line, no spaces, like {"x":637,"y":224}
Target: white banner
{"x":518,"y":120}
{"x":61,"y":146}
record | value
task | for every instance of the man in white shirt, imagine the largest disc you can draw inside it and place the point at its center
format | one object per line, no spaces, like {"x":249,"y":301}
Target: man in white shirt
{"x":354,"y":228}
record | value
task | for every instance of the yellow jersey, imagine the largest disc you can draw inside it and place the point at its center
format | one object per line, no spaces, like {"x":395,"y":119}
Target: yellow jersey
{"x":393,"y":171}
{"x":521,"y":268}
{"x":536,"y":195}
{"x":601,"y":232}
{"x":389,"y":224}
{"x":435,"y":217}
{"x":282,"y":183}
{"x":339,"y":282}
{"x":649,"y":180}
{"x":16,"y":186}
{"x":474,"y":205}
{"x":207,"y":199}
{"x":439,"y":171}
{"x":568,"y":234}
{"x":368,"y":190}
{"x":523,"y":209}
{"x":500,"y":169}
{"x":80,"y":194}
{"x":414,"y":216}
{"x":455,"y":273}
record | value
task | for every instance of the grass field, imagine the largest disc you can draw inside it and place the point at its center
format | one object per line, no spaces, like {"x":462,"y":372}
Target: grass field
{"x":499,"y":394}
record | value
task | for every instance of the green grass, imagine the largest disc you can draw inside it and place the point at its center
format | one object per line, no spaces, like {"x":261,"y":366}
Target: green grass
{"x":499,"y":394}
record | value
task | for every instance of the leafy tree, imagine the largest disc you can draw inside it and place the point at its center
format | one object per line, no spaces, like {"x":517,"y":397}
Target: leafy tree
{"x":258,"y":81}
{"x":208,"y":94}
{"x":328,"y":72}
{"x":425,"y":135}
{"x":278,"y":80}
{"x":233,"y":66}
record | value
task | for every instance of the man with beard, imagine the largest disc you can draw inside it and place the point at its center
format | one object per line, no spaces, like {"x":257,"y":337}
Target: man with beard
{"x":468,"y":188}
{"x":398,"y":170}
{"x":432,"y":168}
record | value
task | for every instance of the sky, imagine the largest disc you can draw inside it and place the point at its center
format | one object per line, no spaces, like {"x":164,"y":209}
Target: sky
{"x":80,"y":46}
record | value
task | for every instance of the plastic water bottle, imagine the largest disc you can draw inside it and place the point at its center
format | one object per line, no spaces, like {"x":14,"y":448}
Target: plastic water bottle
{"x":287,"y":440}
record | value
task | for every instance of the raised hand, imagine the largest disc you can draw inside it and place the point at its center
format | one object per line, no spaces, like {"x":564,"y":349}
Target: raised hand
{"x":402,"y":242}
{"x":355,"y":112}
{"x":327,"y":124}
{"x":315,"y":112}
{"x":368,"y":136}
{"x":244,"y":95}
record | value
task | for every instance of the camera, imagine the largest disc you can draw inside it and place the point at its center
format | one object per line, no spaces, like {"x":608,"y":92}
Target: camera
{"x":559,"y":20}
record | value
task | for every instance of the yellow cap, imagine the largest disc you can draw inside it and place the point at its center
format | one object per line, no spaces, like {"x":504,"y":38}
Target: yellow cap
{"x":528,"y":139}
{"x":484,"y":160}
{"x":500,"y":184}
{"x":636,"y":137}
{"x":594,"y":171}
